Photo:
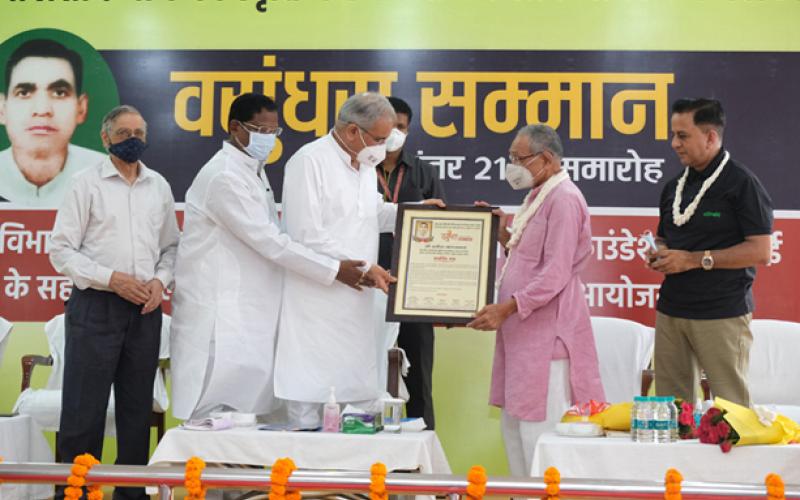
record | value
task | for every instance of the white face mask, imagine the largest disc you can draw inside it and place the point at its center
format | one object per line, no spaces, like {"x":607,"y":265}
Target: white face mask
{"x":520,"y":177}
{"x":260,"y":145}
{"x":395,"y":140}
{"x":370,"y":156}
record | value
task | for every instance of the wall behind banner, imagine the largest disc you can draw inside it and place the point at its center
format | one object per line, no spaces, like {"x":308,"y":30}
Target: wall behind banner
{"x":703,"y":37}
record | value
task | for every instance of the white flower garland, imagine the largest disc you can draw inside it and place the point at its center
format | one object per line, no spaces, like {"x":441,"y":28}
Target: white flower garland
{"x":527,"y":213}
{"x":682,"y":218}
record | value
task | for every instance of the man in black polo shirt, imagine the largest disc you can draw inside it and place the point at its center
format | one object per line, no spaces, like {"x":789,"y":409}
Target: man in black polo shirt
{"x":714,"y":228}
{"x":404,"y":177}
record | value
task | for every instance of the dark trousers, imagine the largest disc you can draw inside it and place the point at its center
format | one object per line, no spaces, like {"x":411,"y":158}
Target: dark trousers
{"x":416,"y":339}
{"x":108,"y":341}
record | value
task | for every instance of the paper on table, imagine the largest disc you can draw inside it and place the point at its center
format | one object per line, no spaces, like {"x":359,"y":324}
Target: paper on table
{"x":412,"y":425}
{"x":208,"y":424}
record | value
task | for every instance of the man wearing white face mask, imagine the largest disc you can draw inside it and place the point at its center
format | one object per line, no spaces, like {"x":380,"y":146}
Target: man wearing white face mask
{"x":229,"y":273}
{"x":327,"y":332}
{"x":545,"y":356}
{"x":403,"y":177}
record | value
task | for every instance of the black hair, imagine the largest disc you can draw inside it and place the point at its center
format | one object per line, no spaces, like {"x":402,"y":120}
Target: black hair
{"x":401,"y":106}
{"x":706,"y":111}
{"x":42,"y":47}
{"x":246,"y":106}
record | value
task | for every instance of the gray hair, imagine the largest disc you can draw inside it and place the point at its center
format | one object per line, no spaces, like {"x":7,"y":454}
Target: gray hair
{"x":542,"y":137}
{"x":364,"y":110}
{"x":111,"y":117}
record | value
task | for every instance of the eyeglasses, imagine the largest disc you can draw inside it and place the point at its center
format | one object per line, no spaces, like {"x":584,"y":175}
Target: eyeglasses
{"x":263,"y":130}
{"x":517,"y":159}
{"x":379,"y":141}
{"x":126,"y":133}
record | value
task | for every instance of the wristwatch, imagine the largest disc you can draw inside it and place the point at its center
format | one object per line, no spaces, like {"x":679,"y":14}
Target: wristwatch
{"x":707,"y":261}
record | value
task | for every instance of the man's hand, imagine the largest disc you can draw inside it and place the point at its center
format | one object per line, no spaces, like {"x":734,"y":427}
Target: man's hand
{"x":156,"y":290}
{"x":129,"y":288}
{"x":434,"y":201}
{"x":350,"y":273}
{"x":673,"y":261}
{"x":502,"y":228}
{"x":493,"y":315}
{"x":379,"y":277}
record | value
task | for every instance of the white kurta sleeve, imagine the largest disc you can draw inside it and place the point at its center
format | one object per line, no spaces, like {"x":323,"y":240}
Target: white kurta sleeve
{"x":231,"y":203}
{"x":387,"y":215}
{"x":66,"y":240}
{"x":303,"y":209}
{"x":168,"y":242}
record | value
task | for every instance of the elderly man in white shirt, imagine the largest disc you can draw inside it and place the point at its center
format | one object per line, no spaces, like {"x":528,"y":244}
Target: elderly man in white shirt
{"x":327,"y":333}
{"x":115,"y":236}
{"x":229,"y":273}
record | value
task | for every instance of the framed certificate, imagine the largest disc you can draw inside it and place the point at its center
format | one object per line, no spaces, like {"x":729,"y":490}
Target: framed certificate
{"x":444,"y":260}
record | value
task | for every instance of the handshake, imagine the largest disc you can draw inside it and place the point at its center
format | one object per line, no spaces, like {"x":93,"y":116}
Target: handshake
{"x":354,"y":273}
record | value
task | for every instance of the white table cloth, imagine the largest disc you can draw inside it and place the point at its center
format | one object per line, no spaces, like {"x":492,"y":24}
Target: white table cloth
{"x":21,"y":440}
{"x":308,"y":450}
{"x":620,"y":458}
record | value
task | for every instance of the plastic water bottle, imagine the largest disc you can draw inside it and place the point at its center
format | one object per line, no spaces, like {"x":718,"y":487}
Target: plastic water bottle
{"x":645,"y":432}
{"x":636,"y":422}
{"x":673,"y":422}
{"x":662,"y":420}
{"x":698,"y":412}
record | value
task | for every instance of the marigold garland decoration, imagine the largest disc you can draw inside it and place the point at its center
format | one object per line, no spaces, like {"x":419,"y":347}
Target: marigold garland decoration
{"x":552,"y":479}
{"x":377,"y":482}
{"x":193,"y":482}
{"x":279,"y":477}
{"x":775,"y":487}
{"x":672,"y":485}
{"x":81,"y":466}
{"x":476,"y":477}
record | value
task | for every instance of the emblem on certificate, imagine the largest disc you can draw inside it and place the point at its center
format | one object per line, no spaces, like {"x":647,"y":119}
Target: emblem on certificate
{"x":444,"y":260}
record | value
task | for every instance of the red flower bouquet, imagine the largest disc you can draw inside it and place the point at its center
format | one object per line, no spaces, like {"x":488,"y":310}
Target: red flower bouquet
{"x":686,"y":426}
{"x":714,"y":429}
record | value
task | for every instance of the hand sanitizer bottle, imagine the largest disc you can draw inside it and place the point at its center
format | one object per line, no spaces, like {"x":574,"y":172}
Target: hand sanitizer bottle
{"x":330,"y":415}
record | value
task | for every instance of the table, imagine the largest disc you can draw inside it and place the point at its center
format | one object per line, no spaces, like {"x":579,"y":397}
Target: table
{"x":21,"y":440}
{"x":308,"y":450}
{"x":622,"y":459}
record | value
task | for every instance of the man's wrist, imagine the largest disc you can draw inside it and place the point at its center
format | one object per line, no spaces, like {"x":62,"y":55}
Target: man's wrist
{"x":510,"y":307}
{"x":696,"y":260}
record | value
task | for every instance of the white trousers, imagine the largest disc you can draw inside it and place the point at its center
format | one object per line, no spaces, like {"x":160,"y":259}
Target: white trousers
{"x":520,"y":436}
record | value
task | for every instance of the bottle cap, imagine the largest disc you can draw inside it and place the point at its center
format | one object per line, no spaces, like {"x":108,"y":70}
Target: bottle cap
{"x":332,"y":397}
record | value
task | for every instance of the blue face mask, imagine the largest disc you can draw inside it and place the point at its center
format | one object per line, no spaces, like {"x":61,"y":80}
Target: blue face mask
{"x":129,"y":150}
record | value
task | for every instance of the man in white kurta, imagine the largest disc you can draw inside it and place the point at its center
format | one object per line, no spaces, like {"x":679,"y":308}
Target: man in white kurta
{"x":229,"y":274}
{"x":327,"y":333}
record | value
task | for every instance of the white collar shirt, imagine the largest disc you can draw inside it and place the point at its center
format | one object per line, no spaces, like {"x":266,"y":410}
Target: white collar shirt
{"x":106,"y":224}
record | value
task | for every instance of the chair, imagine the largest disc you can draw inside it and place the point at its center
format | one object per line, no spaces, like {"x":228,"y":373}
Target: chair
{"x":774,"y":369}
{"x":44,"y":405}
{"x":5,"y":334}
{"x":624,"y":350}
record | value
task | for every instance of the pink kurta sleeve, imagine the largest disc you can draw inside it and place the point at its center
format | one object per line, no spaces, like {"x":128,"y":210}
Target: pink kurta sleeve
{"x":561,"y":239}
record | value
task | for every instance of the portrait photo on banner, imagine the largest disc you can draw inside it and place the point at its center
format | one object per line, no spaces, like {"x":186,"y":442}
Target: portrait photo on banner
{"x":55,"y":89}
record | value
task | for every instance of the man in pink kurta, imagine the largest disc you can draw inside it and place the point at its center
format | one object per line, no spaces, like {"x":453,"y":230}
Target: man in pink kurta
{"x":545,"y":356}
